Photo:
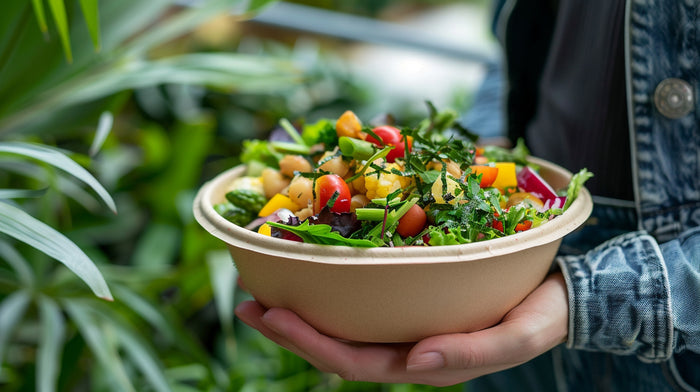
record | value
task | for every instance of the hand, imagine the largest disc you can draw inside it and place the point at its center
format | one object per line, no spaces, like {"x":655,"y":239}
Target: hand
{"x":533,"y":327}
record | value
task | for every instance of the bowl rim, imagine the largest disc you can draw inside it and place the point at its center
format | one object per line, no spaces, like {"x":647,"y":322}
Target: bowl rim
{"x":239,"y":237}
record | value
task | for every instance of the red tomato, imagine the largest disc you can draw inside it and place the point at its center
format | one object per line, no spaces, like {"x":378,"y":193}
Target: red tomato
{"x":524,"y":225}
{"x":488,"y":174}
{"x":327,"y":186}
{"x":390,"y":136}
{"x":412,"y":222}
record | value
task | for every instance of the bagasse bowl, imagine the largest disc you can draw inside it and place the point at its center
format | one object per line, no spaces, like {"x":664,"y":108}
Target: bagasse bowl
{"x":393,"y":294}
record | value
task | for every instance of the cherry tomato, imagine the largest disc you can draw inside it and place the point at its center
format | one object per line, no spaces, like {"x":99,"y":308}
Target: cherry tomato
{"x":412,"y":222}
{"x":390,"y":136}
{"x":488,"y":174}
{"x":327,"y":186}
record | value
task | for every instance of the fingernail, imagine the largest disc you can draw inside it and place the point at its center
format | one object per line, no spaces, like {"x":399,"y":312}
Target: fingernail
{"x":426,"y":361}
{"x":268,"y":319}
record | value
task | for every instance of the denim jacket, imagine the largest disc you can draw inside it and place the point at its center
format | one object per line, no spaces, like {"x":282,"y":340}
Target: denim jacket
{"x":634,"y":292}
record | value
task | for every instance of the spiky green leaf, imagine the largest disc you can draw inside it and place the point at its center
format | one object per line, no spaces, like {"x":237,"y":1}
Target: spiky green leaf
{"x":58,"y":159}
{"x":51,"y":339}
{"x":18,"y":224}
{"x":92,"y":19}
{"x":58,"y":10}
{"x":11,"y":312}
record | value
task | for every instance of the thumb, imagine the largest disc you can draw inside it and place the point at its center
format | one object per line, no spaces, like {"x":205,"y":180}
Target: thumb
{"x":494,"y":349}
{"x":536,"y":325}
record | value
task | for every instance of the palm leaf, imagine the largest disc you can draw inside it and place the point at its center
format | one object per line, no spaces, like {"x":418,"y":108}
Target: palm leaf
{"x":223,"y":277}
{"x":11,"y":311}
{"x":21,"y":193}
{"x":146,"y":361}
{"x":50,"y":344}
{"x":64,"y":185}
{"x":58,"y":10}
{"x":58,"y":159}
{"x":188,"y":19}
{"x":146,"y":310}
{"x":40,"y":15}
{"x":102,"y":344}
{"x":92,"y":19}
{"x":104,"y":126}
{"x":25,"y":228}
{"x":10,"y":255}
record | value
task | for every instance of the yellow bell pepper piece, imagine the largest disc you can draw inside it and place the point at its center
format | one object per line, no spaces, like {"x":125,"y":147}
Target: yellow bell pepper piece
{"x":276,"y":202}
{"x":506,"y":176}
{"x":265,"y":229}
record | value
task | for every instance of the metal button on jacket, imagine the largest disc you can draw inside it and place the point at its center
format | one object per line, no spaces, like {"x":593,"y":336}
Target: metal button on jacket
{"x":674,"y":98}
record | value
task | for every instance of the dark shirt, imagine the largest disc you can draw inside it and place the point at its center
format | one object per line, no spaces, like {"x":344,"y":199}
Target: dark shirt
{"x":580,"y":118}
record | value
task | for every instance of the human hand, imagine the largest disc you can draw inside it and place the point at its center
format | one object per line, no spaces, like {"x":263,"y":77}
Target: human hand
{"x":535,"y":326}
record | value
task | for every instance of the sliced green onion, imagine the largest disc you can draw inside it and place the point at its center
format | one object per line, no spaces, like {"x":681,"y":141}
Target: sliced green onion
{"x":292,"y":132}
{"x":392,"y":218}
{"x":356,"y":148}
{"x":292,"y":148}
{"x":382,"y":201}
{"x":379,"y":154}
{"x":370,"y":214}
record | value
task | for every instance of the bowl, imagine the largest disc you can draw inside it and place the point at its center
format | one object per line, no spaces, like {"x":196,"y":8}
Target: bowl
{"x":393,"y":295}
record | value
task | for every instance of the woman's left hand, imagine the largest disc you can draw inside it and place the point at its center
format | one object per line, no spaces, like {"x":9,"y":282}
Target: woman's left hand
{"x":535,"y":326}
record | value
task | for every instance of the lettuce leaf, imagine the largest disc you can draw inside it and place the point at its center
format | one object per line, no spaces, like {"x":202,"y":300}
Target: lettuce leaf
{"x":575,"y":186}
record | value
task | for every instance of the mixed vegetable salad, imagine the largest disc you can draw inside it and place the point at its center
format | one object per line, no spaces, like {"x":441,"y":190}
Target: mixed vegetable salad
{"x":343,"y":182}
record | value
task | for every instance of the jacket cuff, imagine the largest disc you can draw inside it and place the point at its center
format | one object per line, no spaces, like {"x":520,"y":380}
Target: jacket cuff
{"x":619,"y":299}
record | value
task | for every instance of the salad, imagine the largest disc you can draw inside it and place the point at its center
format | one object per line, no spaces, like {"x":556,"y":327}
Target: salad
{"x":343,"y":182}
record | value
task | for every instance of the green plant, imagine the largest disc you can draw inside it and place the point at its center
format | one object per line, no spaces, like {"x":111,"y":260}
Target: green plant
{"x":93,"y":119}
{"x":50,"y":320}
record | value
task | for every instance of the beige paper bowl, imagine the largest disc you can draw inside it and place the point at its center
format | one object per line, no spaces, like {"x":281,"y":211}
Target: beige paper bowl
{"x":393,"y":294}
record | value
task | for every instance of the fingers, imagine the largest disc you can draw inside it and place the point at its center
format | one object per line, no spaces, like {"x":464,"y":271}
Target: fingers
{"x":533,"y":327}
{"x":352,"y":361}
{"x":488,"y":351}
{"x":536,"y":325}
{"x":251,"y":313}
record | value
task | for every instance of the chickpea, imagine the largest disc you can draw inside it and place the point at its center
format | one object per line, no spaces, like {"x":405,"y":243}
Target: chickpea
{"x":291,"y":163}
{"x":301,"y":191}
{"x":349,"y":124}
{"x":304,"y":213}
{"x":273,"y":182}
{"x":335,"y":165}
{"x":452,"y":167}
{"x":357,"y":186}
{"x":358,"y":201}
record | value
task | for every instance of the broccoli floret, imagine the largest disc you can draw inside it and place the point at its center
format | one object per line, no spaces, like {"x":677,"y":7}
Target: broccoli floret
{"x":323,"y":131}
{"x":261,"y":151}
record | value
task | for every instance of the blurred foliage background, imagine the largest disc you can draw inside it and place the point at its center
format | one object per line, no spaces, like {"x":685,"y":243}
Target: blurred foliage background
{"x":128,"y":107}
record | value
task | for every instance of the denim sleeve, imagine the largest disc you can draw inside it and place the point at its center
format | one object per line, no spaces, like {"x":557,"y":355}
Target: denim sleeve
{"x":631,"y":295}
